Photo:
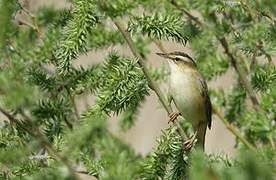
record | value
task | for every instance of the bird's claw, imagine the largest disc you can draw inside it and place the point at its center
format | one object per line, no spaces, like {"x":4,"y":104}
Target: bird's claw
{"x":189,"y":144}
{"x":173,"y":116}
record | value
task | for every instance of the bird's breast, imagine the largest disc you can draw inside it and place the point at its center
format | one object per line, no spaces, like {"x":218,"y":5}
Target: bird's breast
{"x":185,"y":92}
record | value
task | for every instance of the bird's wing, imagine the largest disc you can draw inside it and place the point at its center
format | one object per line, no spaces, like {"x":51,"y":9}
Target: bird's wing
{"x":207,"y":102}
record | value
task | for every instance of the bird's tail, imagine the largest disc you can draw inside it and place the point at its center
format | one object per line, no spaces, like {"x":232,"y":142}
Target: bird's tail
{"x":200,"y":134}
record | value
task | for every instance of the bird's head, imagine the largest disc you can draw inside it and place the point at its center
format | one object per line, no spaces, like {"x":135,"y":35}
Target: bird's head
{"x":178,"y":58}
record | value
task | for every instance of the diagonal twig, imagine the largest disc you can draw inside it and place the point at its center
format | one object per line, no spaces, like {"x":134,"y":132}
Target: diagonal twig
{"x":234,"y":130}
{"x":152,"y":84}
{"x":34,"y":26}
{"x":186,"y":12}
{"x":42,"y":139}
{"x":243,"y":79}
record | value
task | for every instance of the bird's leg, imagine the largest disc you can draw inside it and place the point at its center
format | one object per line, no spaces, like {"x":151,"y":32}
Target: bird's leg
{"x":173,"y":116}
{"x":190,"y":142}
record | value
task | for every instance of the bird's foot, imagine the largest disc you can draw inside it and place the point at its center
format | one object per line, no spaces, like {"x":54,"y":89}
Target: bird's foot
{"x":173,"y":116}
{"x":190,"y":143}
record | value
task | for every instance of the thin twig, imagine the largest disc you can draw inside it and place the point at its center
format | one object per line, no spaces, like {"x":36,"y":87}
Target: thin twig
{"x":73,"y":103}
{"x":271,"y":142}
{"x":23,"y":22}
{"x":42,"y":139}
{"x":160,"y":46}
{"x":152,"y":84}
{"x":86,"y":173}
{"x":251,"y":11}
{"x":242,"y":75}
{"x":186,"y":12}
{"x":25,"y":10}
{"x":12,"y":120}
{"x":34,"y":26}
{"x":260,"y":46}
{"x":233,"y":129}
{"x":243,"y":79}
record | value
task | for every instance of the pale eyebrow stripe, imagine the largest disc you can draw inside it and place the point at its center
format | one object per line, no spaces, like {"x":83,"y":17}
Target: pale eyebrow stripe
{"x":189,"y":60}
{"x":180,"y":57}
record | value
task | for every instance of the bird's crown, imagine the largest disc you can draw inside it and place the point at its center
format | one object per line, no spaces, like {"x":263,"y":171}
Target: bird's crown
{"x":177,"y":56}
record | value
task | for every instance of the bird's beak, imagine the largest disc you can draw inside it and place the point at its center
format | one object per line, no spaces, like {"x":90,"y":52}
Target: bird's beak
{"x":164,"y":55}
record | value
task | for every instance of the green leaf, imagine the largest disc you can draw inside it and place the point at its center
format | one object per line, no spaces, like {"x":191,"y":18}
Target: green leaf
{"x":76,"y":33}
{"x":159,"y":26}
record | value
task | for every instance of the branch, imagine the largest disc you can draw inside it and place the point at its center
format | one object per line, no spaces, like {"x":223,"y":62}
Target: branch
{"x":233,"y":129}
{"x":242,"y":77}
{"x":42,"y":139}
{"x":187,"y":13}
{"x":23,"y":22}
{"x":34,"y":26}
{"x":86,"y":173}
{"x":160,"y":46}
{"x":73,"y":103}
{"x":25,"y":9}
{"x":152,"y":84}
{"x":253,"y":11}
{"x":12,"y":119}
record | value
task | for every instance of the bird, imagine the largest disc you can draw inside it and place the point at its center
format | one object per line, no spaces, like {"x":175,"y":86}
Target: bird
{"x":189,"y":92}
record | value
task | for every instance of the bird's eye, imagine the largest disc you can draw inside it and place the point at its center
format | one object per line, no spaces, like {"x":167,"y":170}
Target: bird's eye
{"x":177,"y":59}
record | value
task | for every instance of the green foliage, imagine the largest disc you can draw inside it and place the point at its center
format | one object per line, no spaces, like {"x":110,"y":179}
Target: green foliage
{"x":211,"y":62}
{"x":38,"y":77}
{"x":213,"y":65}
{"x":259,"y":128}
{"x":48,"y":15}
{"x":114,"y":8}
{"x":129,"y":116}
{"x":125,"y":84}
{"x":45,"y":52}
{"x":167,"y":160}
{"x":119,"y":84}
{"x":102,"y":37}
{"x":53,"y":114}
{"x":7,"y":9}
{"x":91,"y":127}
{"x":246,"y":166}
{"x":236,"y":104}
{"x":16,"y":94}
{"x":118,"y":159}
{"x":76,"y":33}
{"x":268,"y":102}
{"x":264,"y":78}
{"x":159,"y":27}
{"x":105,"y":156}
